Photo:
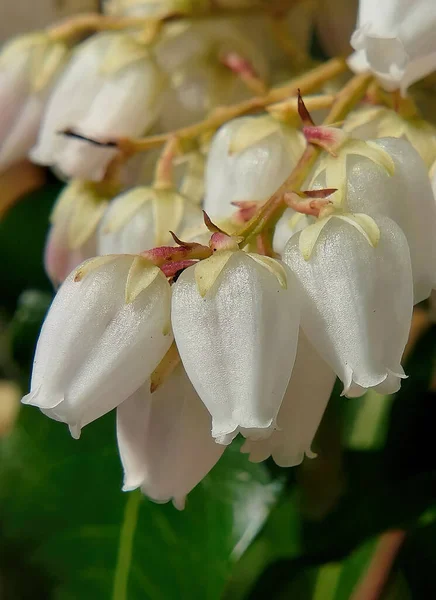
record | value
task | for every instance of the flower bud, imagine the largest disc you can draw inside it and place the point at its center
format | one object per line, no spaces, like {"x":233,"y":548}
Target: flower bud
{"x":142,"y":218}
{"x":29,"y":65}
{"x":396,"y":42}
{"x":109,"y":89}
{"x":105,"y":333}
{"x":301,"y":411}
{"x":164,"y":440}
{"x":75,"y":218}
{"x":249,"y":159}
{"x":235,"y":318}
{"x":356,"y":302}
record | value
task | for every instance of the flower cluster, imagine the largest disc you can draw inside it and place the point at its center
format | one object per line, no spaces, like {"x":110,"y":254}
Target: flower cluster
{"x":314,"y":245}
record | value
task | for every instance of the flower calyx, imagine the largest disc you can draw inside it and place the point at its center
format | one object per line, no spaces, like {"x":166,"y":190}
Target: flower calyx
{"x":362,"y":222}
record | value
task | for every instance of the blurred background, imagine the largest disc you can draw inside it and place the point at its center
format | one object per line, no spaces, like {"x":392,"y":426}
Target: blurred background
{"x":249,"y":531}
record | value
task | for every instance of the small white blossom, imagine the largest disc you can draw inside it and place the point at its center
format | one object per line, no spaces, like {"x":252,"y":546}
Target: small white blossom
{"x":249,"y":159}
{"x":235,"y":318}
{"x":142,"y":218}
{"x":105,"y":333}
{"x":395,"y":40}
{"x":109,"y":89}
{"x":164,"y":440}
{"x":357,"y":302}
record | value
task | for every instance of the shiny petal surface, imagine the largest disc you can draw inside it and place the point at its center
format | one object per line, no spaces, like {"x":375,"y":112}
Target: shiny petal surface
{"x":238,"y":344}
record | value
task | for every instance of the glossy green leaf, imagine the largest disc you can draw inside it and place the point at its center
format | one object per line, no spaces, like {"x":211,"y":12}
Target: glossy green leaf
{"x":63,"y":497}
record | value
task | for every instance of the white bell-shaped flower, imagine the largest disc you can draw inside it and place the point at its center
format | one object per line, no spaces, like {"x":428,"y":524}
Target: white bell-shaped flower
{"x":249,"y":159}
{"x":404,"y":195}
{"x":357,"y":301}
{"x":29,"y":65}
{"x":109,"y":89}
{"x":142,"y":218}
{"x":194,"y":58}
{"x":72,"y":237}
{"x":165,"y":441}
{"x":235,"y":318}
{"x":395,"y":40}
{"x":105,"y":333}
{"x":301,"y":412}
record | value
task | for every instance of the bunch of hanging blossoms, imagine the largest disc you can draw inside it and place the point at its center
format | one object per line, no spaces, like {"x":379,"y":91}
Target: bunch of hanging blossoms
{"x":314,"y":243}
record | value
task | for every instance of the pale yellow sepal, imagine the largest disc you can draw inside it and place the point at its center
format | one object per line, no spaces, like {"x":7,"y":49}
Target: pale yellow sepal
{"x":45,"y":63}
{"x":309,"y":236}
{"x":193,"y":181}
{"x":252,"y":131}
{"x":294,"y":220}
{"x":335,"y":167}
{"x":142,"y":273}
{"x":123,"y":51}
{"x":45,"y":57}
{"x":273,"y":266}
{"x":362,"y":222}
{"x":207,"y":271}
{"x":365,"y":225}
{"x":168,"y":208}
{"x":85,"y":218}
{"x":92,"y":264}
{"x":82,"y":207}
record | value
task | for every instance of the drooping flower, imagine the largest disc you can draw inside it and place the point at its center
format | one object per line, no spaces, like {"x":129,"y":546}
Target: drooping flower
{"x":249,"y":159}
{"x":235,"y":318}
{"x":301,"y":411}
{"x":357,"y":298}
{"x":143,"y":218}
{"x":105,"y":333}
{"x":74,"y":221}
{"x":165,"y":441}
{"x":29,"y":66}
{"x":109,"y":89}
{"x":403,"y":194}
{"x":395,"y":40}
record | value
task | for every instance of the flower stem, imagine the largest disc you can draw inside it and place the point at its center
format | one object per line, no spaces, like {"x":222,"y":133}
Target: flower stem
{"x":272,"y":210}
{"x":306,"y":83}
{"x":126,"y":546}
{"x":371,"y":586}
{"x":86,"y":23}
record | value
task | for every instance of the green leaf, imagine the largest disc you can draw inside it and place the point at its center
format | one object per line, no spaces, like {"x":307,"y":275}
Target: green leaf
{"x":62,"y":498}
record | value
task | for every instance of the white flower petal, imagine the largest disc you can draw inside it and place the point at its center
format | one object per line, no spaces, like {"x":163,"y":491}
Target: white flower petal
{"x":396,"y":40}
{"x":357,"y":301}
{"x":165,"y":440}
{"x":94,"y":350}
{"x":238,"y":344}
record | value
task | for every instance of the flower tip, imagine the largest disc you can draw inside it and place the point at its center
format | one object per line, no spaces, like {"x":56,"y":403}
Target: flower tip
{"x":179,"y":502}
{"x":75,"y":431}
